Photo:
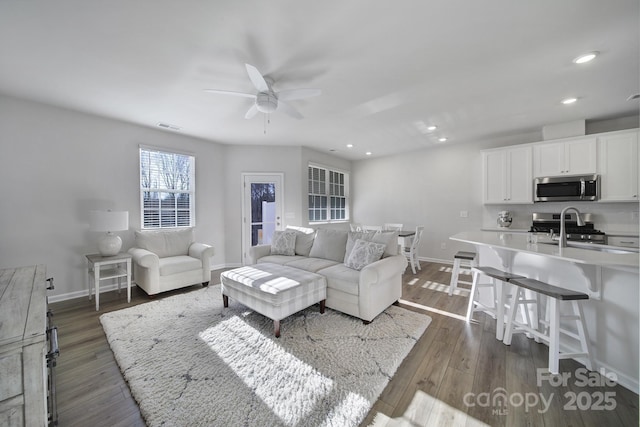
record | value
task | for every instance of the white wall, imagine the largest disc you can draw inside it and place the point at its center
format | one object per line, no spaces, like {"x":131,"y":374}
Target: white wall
{"x":428,"y":187}
{"x":56,"y":165}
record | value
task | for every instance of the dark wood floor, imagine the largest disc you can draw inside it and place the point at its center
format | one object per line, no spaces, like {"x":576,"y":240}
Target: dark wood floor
{"x":453,"y":363}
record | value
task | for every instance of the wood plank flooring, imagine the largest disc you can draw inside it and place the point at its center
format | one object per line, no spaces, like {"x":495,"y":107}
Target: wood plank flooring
{"x":453,"y":363}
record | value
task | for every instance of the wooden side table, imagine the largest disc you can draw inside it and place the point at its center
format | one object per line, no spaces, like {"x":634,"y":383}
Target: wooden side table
{"x":101,"y":267}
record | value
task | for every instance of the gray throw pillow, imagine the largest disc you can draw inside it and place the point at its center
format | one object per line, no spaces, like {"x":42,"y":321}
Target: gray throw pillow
{"x":283,"y":243}
{"x":351,"y":241}
{"x":364,"y":253}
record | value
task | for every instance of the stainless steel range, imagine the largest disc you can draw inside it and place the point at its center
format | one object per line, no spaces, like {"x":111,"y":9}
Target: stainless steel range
{"x":550,"y":222}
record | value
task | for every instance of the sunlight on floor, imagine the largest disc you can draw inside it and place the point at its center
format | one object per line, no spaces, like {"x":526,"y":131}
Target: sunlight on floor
{"x":267,"y":369}
{"x":426,"y":410}
{"x":439,"y":287}
{"x":433,"y":310}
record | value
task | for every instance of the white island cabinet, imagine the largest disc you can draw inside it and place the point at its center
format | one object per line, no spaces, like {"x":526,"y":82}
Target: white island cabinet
{"x":610,"y":278}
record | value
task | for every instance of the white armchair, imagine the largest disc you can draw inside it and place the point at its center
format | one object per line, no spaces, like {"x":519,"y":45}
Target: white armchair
{"x":167,"y":260}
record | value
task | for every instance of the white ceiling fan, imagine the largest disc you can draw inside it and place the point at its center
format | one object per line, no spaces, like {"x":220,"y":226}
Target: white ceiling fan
{"x":267,"y":100}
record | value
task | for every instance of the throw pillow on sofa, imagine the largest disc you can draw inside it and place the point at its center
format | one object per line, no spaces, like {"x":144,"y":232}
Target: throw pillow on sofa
{"x":387,"y":238}
{"x":283,"y":243}
{"x":364,"y":253}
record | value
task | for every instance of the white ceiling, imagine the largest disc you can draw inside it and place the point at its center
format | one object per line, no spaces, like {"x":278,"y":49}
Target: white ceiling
{"x":479,"y":70}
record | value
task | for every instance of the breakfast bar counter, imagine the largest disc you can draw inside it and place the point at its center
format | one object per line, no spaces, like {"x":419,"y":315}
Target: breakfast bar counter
{"x":609,"y":275}
{"x":580,"y":253}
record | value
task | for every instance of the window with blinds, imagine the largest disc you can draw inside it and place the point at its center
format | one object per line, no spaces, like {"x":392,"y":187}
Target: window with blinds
{"x":167,"y":189}
{"x":328,"y":193}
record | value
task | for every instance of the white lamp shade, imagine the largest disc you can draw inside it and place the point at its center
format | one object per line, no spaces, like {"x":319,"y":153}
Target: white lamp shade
{"x":108,"y":220}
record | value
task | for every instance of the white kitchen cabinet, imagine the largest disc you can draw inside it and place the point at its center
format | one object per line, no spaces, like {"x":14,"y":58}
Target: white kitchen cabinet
{"x":507,"y":176}
{"x":567,"y":157}
{"x":618,"y":166}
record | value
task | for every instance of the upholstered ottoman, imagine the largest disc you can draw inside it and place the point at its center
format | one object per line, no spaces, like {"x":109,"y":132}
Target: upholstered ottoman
{"x":273,"y":290}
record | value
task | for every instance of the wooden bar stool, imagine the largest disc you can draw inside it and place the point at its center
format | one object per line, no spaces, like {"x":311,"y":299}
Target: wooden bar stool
{"x":552,"y":330}
{"x":498,"y":278}
{"x":457,"y":259}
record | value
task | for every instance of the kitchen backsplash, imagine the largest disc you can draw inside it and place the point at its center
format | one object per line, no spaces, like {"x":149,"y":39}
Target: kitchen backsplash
{"x":608,"y":217}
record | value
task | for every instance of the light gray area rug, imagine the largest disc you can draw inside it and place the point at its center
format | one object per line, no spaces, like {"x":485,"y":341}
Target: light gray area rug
{"x":191,"y":362}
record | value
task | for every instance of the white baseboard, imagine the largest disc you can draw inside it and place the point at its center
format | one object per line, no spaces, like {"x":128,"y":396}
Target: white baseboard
{"x":114,"y":286}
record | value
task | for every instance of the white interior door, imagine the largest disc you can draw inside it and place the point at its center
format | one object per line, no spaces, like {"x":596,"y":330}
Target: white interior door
{"x":262,"y":209}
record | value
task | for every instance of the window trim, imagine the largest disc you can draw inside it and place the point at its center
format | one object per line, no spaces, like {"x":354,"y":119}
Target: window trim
{"x":328,"y":170}
{"x":191,"y":191}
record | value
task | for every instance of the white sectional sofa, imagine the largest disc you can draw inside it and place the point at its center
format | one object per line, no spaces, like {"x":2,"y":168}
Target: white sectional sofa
{"x":167,"y":260}
{"x":363,"y":293}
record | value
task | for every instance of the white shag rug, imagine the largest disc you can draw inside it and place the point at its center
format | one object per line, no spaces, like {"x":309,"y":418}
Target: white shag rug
{"x":191,"y":362}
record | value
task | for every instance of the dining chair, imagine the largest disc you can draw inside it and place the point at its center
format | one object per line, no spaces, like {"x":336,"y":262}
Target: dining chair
{"x":371,"y":228}
{"x":411,"y":252}
{"x":392,"y":227}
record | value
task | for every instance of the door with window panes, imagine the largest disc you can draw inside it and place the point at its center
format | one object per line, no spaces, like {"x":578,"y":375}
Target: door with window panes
{"x":261,"y":209}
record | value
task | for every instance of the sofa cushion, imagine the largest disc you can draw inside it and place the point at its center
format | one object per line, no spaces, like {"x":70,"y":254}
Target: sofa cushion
{"x":342,"y":278}
{"x":283,"y":243}
{"x":304,"y":239}
{"x":364,"y":253}
{"x":329,"y":244}
{"x":278,"y":259}
{"x":311,"y":264}
{"x":178,"y":264}
{"x":165,"y":243}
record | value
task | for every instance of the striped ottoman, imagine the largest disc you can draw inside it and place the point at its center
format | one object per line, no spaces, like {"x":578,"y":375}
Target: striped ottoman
{"x":273,"y":290}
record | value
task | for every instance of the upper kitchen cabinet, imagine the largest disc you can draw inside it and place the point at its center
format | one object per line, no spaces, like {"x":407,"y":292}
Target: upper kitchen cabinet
{"x":568,"y":157}
{"x":618,"y":166}
{"x":506,"y":176}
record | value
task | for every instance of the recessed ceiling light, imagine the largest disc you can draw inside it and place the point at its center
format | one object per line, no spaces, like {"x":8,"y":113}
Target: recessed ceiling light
{"x":368,"y":153}
{"x":568,"y":101}
{"x":443,"y":139}
{"x":432,"y":128}
{"x":585,"y":58}
{"x":349,"y":145}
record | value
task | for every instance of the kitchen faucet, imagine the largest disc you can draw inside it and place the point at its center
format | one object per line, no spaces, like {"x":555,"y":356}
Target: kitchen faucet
{"x":562,"y":242}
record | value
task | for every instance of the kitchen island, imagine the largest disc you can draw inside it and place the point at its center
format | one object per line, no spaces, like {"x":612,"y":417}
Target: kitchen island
{"x":610,"y":278}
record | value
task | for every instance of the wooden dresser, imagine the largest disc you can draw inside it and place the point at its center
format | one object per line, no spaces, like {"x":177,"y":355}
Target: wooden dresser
{"x":23,"y":347}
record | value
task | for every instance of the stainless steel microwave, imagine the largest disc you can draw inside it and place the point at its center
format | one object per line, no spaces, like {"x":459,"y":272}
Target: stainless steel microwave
{"x":567,"y":188}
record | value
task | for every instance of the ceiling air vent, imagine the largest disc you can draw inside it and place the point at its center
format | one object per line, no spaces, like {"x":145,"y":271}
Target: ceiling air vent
{"x":168,"y":126}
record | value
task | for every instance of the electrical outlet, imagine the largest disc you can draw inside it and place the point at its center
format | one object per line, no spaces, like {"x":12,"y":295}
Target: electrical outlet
{"x":464,"y":214}
{"x":443,"y":245}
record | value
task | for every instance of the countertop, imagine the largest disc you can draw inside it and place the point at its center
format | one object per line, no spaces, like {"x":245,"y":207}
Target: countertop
{"x":518,"y":242}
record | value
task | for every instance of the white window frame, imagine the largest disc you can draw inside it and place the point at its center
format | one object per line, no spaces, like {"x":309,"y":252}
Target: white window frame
{"x":156,"y":187}
{"x":325,"y":189}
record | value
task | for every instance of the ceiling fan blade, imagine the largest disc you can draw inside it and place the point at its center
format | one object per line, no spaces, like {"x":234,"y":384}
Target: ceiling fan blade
{"x":288,"y":109}
{"x":228,"y":92}
{"x":252,"y":112}
{"x":256,"y":78}
{"x":292,"y":94}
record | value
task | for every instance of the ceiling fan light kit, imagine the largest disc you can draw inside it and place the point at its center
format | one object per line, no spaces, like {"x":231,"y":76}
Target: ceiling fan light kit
{"x":266,"y":102}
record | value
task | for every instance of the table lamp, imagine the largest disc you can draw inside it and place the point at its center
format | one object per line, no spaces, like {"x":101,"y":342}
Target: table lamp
{"x":109,"y":221}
